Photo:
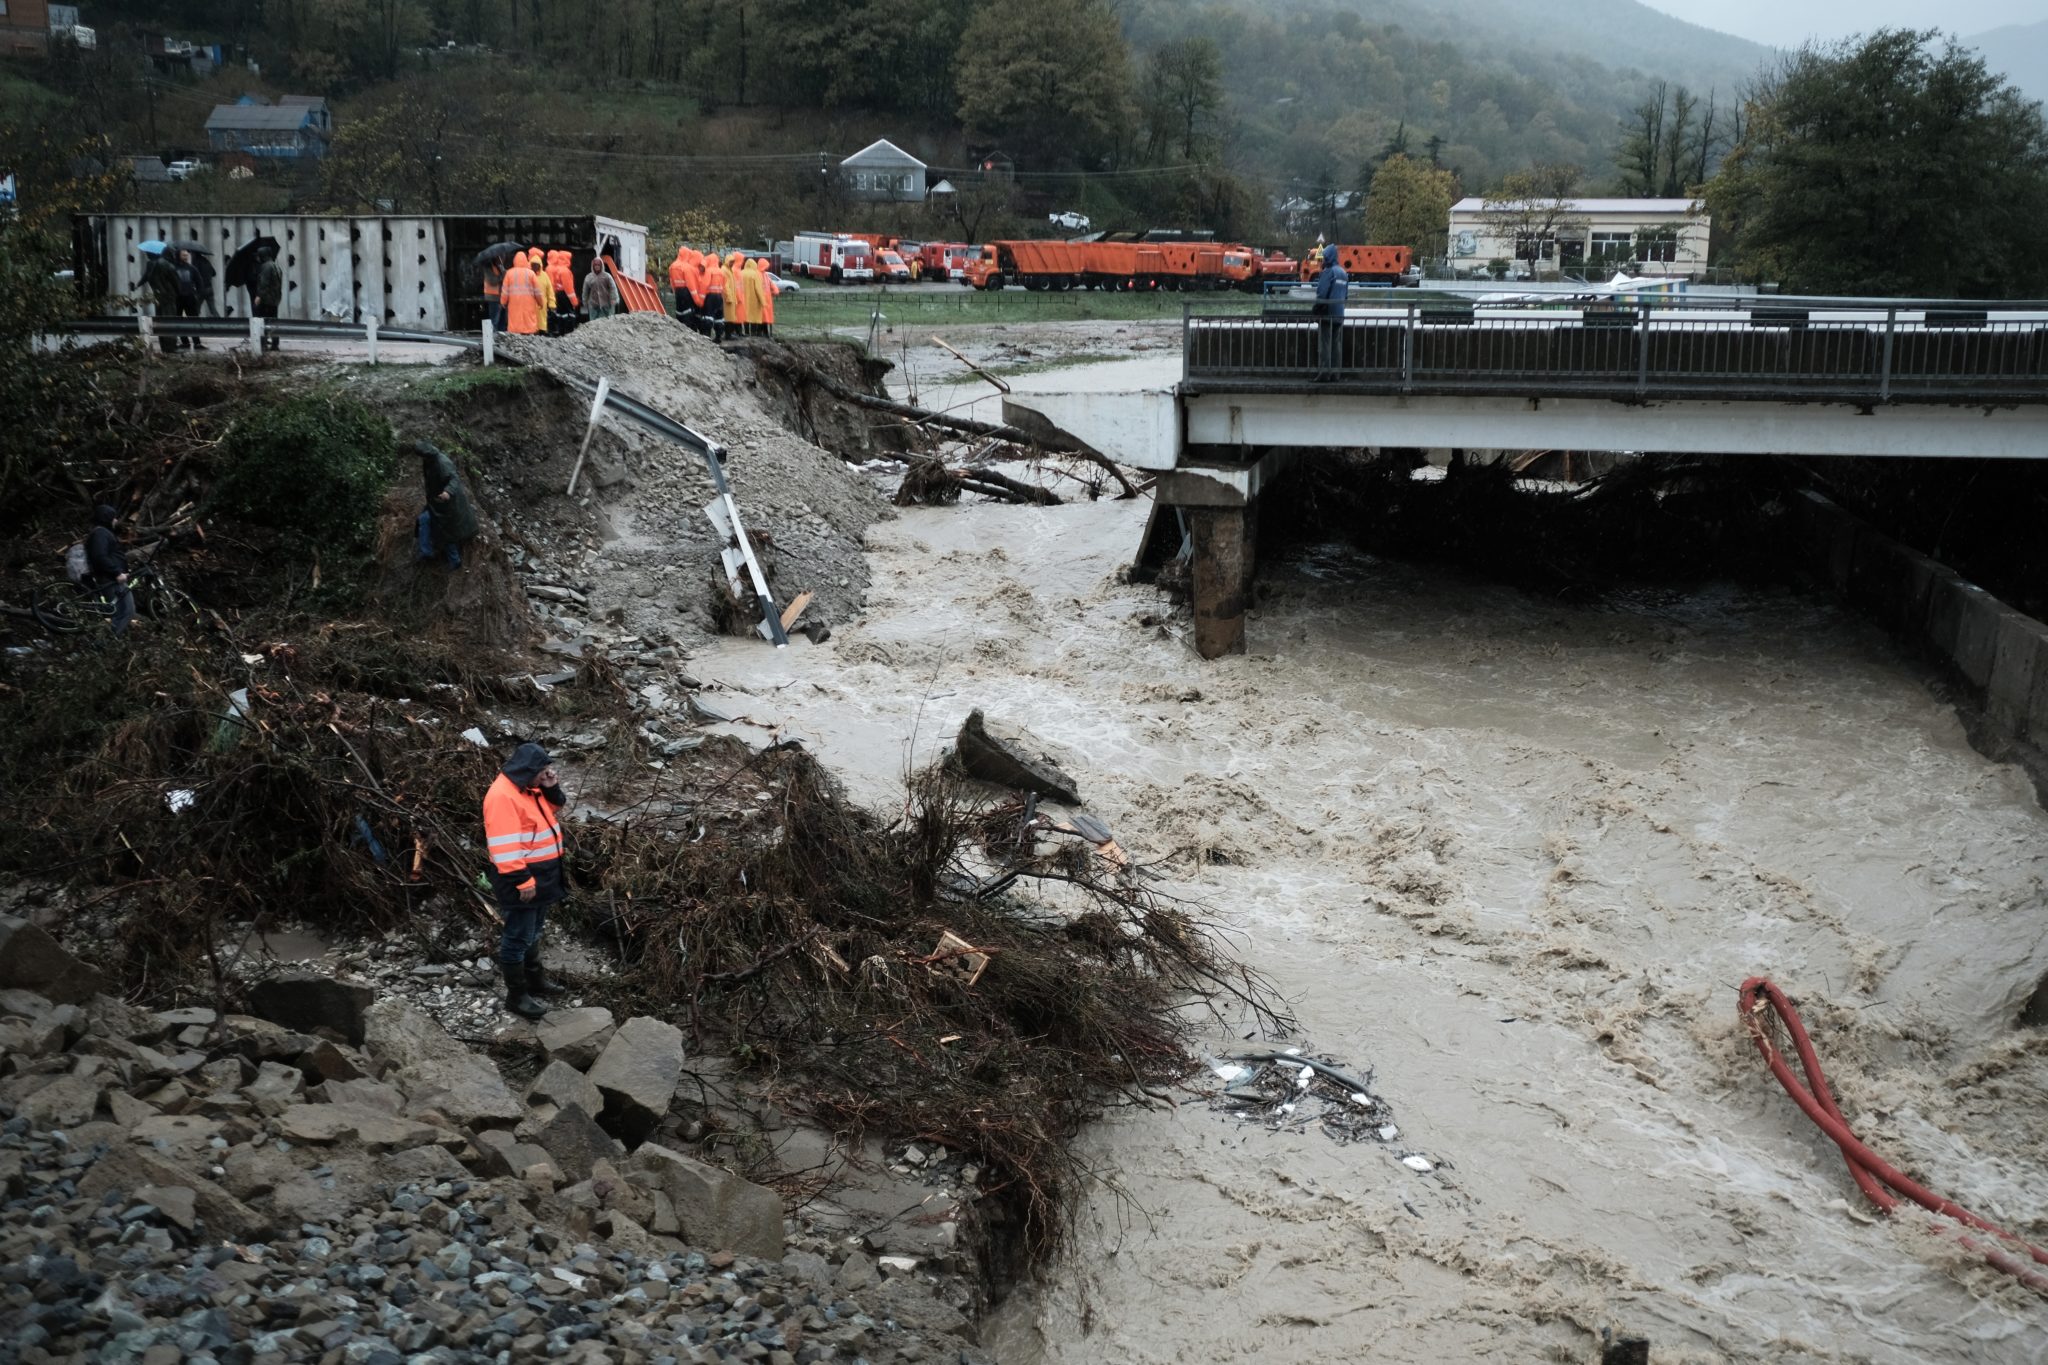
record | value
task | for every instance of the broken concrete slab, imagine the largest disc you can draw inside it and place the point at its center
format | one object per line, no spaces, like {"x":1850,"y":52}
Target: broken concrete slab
{"x":1010,"y":756}
{"x":637,"y":1074}
{"x":576,"y":1036}
{"x":308,"y":1002}
{"x":373,"y":1128}
{"x":562,"y":1084}
{"x":31,"y":960}
{"x":716,"y":1209}
{"x":577,"y":1142}
{"x":438,"y":1074}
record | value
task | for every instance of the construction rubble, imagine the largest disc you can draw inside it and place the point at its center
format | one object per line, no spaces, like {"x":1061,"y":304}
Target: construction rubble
{"x":361,"y":1187}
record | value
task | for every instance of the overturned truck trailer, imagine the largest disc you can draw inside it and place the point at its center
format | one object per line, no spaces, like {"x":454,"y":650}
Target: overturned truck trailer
{"x":412,"y":272}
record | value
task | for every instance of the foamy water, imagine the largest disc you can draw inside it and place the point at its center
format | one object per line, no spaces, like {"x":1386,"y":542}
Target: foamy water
{"x":1516,"y":858}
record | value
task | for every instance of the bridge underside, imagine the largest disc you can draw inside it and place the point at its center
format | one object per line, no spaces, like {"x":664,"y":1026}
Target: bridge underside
{"x":1232,"y":442}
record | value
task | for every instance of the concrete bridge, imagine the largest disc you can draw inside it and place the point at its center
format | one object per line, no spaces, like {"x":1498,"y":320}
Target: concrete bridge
{"x":1778,"y":376}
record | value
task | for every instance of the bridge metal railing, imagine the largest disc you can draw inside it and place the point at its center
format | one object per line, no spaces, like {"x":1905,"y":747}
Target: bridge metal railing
{"x":1814,"y":349}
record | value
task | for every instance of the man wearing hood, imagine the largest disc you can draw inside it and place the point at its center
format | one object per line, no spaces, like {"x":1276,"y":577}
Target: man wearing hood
{"x":106,"y":566}
{"x":524,"y":840}
{"x":1333,"y":288}
{"x":448,"y":521}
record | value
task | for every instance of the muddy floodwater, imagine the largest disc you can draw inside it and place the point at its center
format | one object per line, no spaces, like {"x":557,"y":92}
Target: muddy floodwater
{"x":1514,"y":858}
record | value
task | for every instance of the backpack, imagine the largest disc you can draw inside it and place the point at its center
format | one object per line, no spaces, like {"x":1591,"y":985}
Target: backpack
{"x":75,"y":567}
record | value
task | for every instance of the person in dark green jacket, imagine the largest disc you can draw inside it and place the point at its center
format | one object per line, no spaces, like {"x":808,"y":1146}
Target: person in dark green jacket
{"x":448,"y":522}
{"x":160,"y":277}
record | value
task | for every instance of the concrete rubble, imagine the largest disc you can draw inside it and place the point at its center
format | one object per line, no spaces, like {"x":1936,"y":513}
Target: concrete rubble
{"x":225,"y":1190}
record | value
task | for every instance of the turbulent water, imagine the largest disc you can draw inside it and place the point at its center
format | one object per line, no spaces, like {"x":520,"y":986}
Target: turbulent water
{"x":1515,"y":858}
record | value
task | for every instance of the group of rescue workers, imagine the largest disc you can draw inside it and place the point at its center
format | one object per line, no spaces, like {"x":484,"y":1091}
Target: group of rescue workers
{"x":536,"y":293}
{"x":728,"y":298}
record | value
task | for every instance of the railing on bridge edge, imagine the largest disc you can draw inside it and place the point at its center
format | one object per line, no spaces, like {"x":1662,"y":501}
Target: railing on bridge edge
{"x":1839,"y":350}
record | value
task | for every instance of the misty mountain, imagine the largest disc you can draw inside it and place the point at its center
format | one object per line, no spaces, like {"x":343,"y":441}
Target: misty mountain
{"x":2019,"y":52}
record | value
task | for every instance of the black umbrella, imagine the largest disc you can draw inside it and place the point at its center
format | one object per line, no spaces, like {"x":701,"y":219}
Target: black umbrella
{"x":188,"y":245}
{"x":248,"y":257}
{"x":498,"y":252}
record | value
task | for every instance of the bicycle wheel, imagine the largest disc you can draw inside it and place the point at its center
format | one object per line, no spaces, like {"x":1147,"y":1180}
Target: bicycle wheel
{"x":60,"y":608}
{"x":166,"y":603}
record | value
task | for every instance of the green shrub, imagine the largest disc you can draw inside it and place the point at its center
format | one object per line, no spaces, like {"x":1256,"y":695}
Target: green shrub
{"x":314,"y":467}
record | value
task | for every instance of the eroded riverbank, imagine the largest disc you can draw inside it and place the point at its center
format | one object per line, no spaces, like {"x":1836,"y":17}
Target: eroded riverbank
{"x":1516,"y":857}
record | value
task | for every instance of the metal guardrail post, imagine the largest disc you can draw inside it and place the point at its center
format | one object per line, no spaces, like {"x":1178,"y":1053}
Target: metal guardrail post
{"x":1185,"y":310}
{"x":1408,"y":352}
{"x":1642,"y":352}
{"x":1884,"y":374}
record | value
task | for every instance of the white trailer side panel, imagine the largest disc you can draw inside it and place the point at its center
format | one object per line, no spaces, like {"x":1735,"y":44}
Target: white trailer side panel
{"x":632,"y":244}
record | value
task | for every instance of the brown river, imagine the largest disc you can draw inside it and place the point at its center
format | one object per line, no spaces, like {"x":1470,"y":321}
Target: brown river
{"x":1514,"y":858}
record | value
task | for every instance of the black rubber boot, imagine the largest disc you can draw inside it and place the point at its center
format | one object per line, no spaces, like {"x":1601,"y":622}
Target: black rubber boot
{"x":537,"y":981}
{"x":517,"y":998}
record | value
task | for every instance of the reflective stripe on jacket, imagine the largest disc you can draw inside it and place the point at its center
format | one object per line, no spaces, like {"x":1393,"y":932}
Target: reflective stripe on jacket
{"x":521,"y":835}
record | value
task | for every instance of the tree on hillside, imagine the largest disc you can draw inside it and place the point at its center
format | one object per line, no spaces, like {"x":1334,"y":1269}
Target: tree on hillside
{"x":1183,"y":94}
{"x":1885,"y":166}
{"x":1531,"y":209}
{"x":1668,"y":143}
{"x":436,"y":146}
{"x":1050,"y":77}
{"x":1409,"y":204}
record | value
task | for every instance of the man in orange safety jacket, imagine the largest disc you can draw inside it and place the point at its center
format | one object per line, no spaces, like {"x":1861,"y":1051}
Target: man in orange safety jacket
{"x":769,"y":289}
{"x":714,"y":298}
{"x":523,"y":838}
{"x":520,"y":295}
{"x":679,"y":281}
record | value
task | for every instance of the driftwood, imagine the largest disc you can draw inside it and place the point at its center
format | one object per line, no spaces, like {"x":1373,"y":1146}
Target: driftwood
{"x":788,"y":364}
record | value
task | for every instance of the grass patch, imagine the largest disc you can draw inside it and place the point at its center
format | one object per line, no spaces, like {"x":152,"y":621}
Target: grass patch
{"x":450,"y":385}
{"x":821,"y":308}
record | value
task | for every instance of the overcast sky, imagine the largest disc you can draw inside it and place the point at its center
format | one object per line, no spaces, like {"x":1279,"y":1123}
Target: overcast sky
{"x":1786,"y":23}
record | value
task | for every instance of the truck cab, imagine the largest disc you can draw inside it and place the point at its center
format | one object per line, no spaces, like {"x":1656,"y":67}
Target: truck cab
{"x":891,"y":267}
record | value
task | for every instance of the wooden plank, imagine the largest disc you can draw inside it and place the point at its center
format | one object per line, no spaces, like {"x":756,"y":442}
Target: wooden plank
{"x":795,"y":609}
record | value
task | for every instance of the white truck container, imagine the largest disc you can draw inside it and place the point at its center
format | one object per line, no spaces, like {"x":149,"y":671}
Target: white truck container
{"x":832,"y":256}
{"x":407,"y":272}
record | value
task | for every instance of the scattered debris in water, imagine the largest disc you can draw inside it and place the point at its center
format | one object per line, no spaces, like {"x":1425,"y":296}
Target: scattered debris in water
{"x":1290,"y":1089}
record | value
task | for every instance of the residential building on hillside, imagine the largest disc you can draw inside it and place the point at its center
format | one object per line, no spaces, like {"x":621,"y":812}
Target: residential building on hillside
{"x":24,"y":25}
{"x":882,"y":170}
{"x":297,"y":127}
{"x":1582,"y":236}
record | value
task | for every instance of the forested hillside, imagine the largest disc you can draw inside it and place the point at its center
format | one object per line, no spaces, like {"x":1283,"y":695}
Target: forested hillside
{"x":1138,"y":111}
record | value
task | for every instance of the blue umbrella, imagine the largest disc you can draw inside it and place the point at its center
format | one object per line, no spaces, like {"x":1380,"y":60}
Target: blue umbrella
{"x":152,"y":247}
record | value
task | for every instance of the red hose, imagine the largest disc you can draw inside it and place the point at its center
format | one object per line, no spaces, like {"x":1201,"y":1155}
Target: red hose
{"x":1879,"y":1181}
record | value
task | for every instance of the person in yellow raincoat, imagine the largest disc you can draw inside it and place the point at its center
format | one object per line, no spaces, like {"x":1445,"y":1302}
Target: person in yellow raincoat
{"x":520,"y":295}
{"x":735,"y":295}
{"x":537,"y":262}
{"x":753,"y":297}
{"x":714,"y":298}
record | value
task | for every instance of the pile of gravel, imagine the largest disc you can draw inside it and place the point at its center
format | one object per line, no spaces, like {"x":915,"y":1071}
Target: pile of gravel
{"x":658,"y":553}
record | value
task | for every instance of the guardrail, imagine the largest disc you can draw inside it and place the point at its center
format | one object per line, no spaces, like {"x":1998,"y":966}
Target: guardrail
{"x":1814,"y":349}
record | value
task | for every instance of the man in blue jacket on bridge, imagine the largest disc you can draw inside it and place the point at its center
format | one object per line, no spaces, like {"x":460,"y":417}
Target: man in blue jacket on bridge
{"x":1333,"y":288}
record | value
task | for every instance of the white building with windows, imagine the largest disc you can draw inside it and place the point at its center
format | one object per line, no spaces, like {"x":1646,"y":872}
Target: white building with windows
{"x":882,"y":170}
{"x":1582,"y":237}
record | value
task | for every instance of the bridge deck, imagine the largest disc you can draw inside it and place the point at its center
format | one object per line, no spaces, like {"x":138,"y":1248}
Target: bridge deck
{"x":1972,"y":353}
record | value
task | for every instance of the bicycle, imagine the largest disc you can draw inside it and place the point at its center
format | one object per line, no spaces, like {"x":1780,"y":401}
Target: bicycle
{"x":65,"y":607}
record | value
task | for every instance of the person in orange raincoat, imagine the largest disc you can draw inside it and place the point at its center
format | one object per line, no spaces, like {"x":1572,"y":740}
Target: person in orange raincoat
{"x":563,"y":280}
{"x":679,"y":282}
{"x":714,"y":298}
{"x":494,"y":276}
{"x":690,"y":293}
{"x":769,"y":289}
{"x":520,"y":295}
{"x":753,"y":297}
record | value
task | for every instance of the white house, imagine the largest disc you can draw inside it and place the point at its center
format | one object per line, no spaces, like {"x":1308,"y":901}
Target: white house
{"x":1576,"y":236}
{"x":882,"y":170}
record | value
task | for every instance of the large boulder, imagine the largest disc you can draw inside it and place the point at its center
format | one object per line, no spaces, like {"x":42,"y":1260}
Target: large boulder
{"x":310,"y":1001}
{"x":637,"y":1074}
{"x":437,"y":1073}
{"x":716,"y":1209}
{"x":373,"y":1128}
{"x":562,"y":1085}
{"x":576,"y":1142}
{"x":1011,"y":757}
{"x":31,"y":960}
{"x":576,"y":1037}
{"x":128,"y":1169}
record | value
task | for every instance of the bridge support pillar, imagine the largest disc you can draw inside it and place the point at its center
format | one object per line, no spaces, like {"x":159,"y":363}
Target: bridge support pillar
{"x":1225,"y":540}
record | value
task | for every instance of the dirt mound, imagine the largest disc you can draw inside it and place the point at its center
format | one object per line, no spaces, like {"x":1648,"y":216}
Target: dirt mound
{"x":654,"y":559}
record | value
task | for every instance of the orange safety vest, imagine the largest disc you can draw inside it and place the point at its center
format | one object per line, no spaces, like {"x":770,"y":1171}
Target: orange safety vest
{"x":678,"y":271}
{"x":714,"y":279}
{"x":523,"y":296}
{"x":563,"y":278}
{"x":520,"y":831}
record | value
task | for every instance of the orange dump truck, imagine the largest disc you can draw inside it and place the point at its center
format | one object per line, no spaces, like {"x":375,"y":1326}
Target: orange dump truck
{"x":1365,"y":264}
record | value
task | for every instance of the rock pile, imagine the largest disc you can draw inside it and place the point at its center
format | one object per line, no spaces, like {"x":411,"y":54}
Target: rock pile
{"x":222,"y":1188}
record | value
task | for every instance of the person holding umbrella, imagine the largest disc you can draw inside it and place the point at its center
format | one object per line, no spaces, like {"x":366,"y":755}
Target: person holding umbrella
{"x":160,"y":278}
{"x":254,"y":268}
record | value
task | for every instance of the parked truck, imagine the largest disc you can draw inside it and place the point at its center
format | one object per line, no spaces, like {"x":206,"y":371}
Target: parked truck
{"x":836,"y":256}
{"x":1367,"y":265}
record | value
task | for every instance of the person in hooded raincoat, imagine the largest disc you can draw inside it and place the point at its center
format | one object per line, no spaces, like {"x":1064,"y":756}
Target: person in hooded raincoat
{"x":753,"y":297}
{"x":600,"y":291}
{"x":714,"y":298}
{"x":523,"y":835}
{"x":448,"y":521}
{"x":683,"y":279}
{"x":537,"y":262}
{"x":562,"y":274}
{"x":521,"y":299}
{"x":735,"y":295}
{"x":769,"y":289}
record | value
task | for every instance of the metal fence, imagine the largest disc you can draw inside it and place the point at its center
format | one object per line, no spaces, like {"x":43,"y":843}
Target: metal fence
{"x":1833,"y":350}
